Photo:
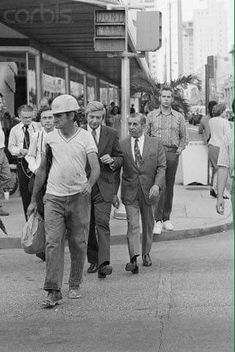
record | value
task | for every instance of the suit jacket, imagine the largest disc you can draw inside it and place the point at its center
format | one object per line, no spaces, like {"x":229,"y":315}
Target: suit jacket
{"x":151,"y":171}
{"x":108,"y":144}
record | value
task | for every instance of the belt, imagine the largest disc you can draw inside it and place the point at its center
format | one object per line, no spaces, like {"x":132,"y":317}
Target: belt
{"x":170,"y":148}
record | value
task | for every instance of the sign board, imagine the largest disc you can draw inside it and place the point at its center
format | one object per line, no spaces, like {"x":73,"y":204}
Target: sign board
{"x":149,"y":30}
{"x":109,"y":28}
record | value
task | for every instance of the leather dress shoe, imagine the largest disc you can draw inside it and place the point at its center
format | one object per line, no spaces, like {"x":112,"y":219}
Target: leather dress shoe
{"x":147,"y":260}
{"x":104,"y":270}
{"x":133,"y":267}
{"x":92,"y":268}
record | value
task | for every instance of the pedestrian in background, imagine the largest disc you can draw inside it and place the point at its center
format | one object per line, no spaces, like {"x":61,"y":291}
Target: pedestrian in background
{"x":225,"y":172}
{"x":5,"y":173}
{"x":143,"y":176}
{"x":116,"y":119}
{"x":18,"y":145}
{"x":219,"y":128}
{"x":169,"y":126}
{"x":34,"y":156}
{"x":204,"y":122}
{"x":132,"y":109}
{"x":67,"y":198}
{"x":103,"y":193}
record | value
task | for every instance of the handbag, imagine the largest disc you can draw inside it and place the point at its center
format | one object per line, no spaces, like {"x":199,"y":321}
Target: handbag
{"x":33,"y":234}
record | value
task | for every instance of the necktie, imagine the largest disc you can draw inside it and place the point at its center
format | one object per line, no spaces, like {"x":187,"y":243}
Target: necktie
{"x":26,"y":137}
{"x":93,"y":132}
{"x":138,"y":158}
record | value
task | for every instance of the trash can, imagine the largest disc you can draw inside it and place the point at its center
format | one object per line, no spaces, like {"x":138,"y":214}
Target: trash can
{"x":195,"y":163}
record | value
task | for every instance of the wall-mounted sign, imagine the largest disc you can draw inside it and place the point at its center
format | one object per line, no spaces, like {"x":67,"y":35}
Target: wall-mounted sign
{"x":109,"y":28}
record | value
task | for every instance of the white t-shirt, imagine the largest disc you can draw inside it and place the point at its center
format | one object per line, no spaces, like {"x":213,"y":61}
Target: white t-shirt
{"x":67,"y":174}
{"x":219,"y":127}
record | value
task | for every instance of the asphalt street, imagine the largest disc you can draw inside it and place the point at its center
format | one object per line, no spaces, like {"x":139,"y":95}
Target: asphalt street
{"x":183,"y":303}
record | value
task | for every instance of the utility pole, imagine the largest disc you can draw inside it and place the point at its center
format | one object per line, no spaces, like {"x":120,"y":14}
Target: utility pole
{"x":125,"y":82}
{"x":180,"y":44}
{"x":170,"y":46}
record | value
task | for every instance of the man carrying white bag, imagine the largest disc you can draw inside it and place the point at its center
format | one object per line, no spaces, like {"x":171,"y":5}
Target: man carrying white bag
{"x":33,"y":235}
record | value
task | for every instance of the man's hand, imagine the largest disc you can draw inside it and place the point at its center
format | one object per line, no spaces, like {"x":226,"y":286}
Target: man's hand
{"x":106,"y":159}
{"x":86,"y":189}
{"x":154,"y":191}
{"x":116,"y":201}
{"x":220,"y":205}
{"x":178,"y":151}
{"x":23,"y":152}
{"x":31,"y":208}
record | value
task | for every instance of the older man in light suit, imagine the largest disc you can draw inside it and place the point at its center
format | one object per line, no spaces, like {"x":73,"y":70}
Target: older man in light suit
{"x":143,"y":176}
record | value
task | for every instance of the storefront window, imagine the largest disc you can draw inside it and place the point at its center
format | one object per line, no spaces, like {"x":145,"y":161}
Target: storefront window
{"x":104,"y":93}
{"x":90,"y":88}
{"x":13,"y":80}
{"x":76,"y":85}
{"x":32,"y":97}
{"x":53,"y":78}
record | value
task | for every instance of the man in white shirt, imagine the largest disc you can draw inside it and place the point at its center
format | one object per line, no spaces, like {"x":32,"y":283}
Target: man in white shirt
{"x":34,"y":156}
{"x":37,"y":144}
{"x":18,"y":145}
{"x":67,"y":198}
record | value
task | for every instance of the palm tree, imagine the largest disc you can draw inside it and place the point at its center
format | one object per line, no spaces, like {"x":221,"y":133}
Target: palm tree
{"x":149,"y":90}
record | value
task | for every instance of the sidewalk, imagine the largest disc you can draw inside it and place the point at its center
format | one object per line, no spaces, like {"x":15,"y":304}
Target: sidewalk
{"x":193,"y":215}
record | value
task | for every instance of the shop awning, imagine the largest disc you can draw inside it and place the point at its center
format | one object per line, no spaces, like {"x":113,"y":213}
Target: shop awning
{"x":64,"y":29}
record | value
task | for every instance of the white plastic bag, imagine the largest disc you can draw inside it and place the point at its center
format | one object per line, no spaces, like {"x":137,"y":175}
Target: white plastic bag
{"x":33,"y":235}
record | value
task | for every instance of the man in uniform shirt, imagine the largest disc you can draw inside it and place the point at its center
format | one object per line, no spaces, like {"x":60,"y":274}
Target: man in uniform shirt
{"x":18,"y":145}
{"x":169,"y":126}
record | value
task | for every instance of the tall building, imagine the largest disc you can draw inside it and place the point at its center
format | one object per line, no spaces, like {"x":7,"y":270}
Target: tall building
{"x":209,"y":32}
{"x":188,"y":48}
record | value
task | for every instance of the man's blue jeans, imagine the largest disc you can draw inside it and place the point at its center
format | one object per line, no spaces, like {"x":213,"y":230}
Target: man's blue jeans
{"x":71,"y":213}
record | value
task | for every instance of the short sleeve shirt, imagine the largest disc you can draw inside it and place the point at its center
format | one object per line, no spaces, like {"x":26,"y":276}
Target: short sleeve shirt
{"x":67,"y":174}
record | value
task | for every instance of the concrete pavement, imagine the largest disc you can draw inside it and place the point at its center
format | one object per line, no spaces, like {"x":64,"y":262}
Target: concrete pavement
{"x":182,"y":303}
{"x":193,"y":215}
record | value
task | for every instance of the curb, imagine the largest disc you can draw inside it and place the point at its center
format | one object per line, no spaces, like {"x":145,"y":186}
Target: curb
{"x":14,"y":242}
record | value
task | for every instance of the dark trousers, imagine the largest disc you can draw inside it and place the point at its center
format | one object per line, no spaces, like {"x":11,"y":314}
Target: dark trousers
{"x":164,"y":206}
{"x":133,"y":210}
{"x":24,"y":184}
{"x":98,"y":249}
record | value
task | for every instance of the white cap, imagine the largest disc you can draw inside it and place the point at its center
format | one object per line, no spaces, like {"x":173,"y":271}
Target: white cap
{"x":64,"y":103}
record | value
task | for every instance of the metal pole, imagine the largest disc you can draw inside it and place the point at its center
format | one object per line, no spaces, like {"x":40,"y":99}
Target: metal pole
{"x":27,"y":76}
{"x":170,"y":49}
{"x":125,"y":82}
{"x":67,"y":79}
{"x":39,"y":80}
{"x":180,"y":44}
{"x":206,"y":103}
{"x":85,"y":89}
{"x":125,"y":95}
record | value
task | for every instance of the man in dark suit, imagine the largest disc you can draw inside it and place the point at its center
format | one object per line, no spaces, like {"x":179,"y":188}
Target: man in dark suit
{"x":104,"y":191}
{"x":143,"y":176}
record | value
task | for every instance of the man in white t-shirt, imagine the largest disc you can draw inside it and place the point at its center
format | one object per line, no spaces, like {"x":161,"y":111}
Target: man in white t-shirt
{"x":67,"y":198}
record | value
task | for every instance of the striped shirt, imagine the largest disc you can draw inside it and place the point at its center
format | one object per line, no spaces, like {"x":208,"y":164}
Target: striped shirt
{"x":171,"y":129}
